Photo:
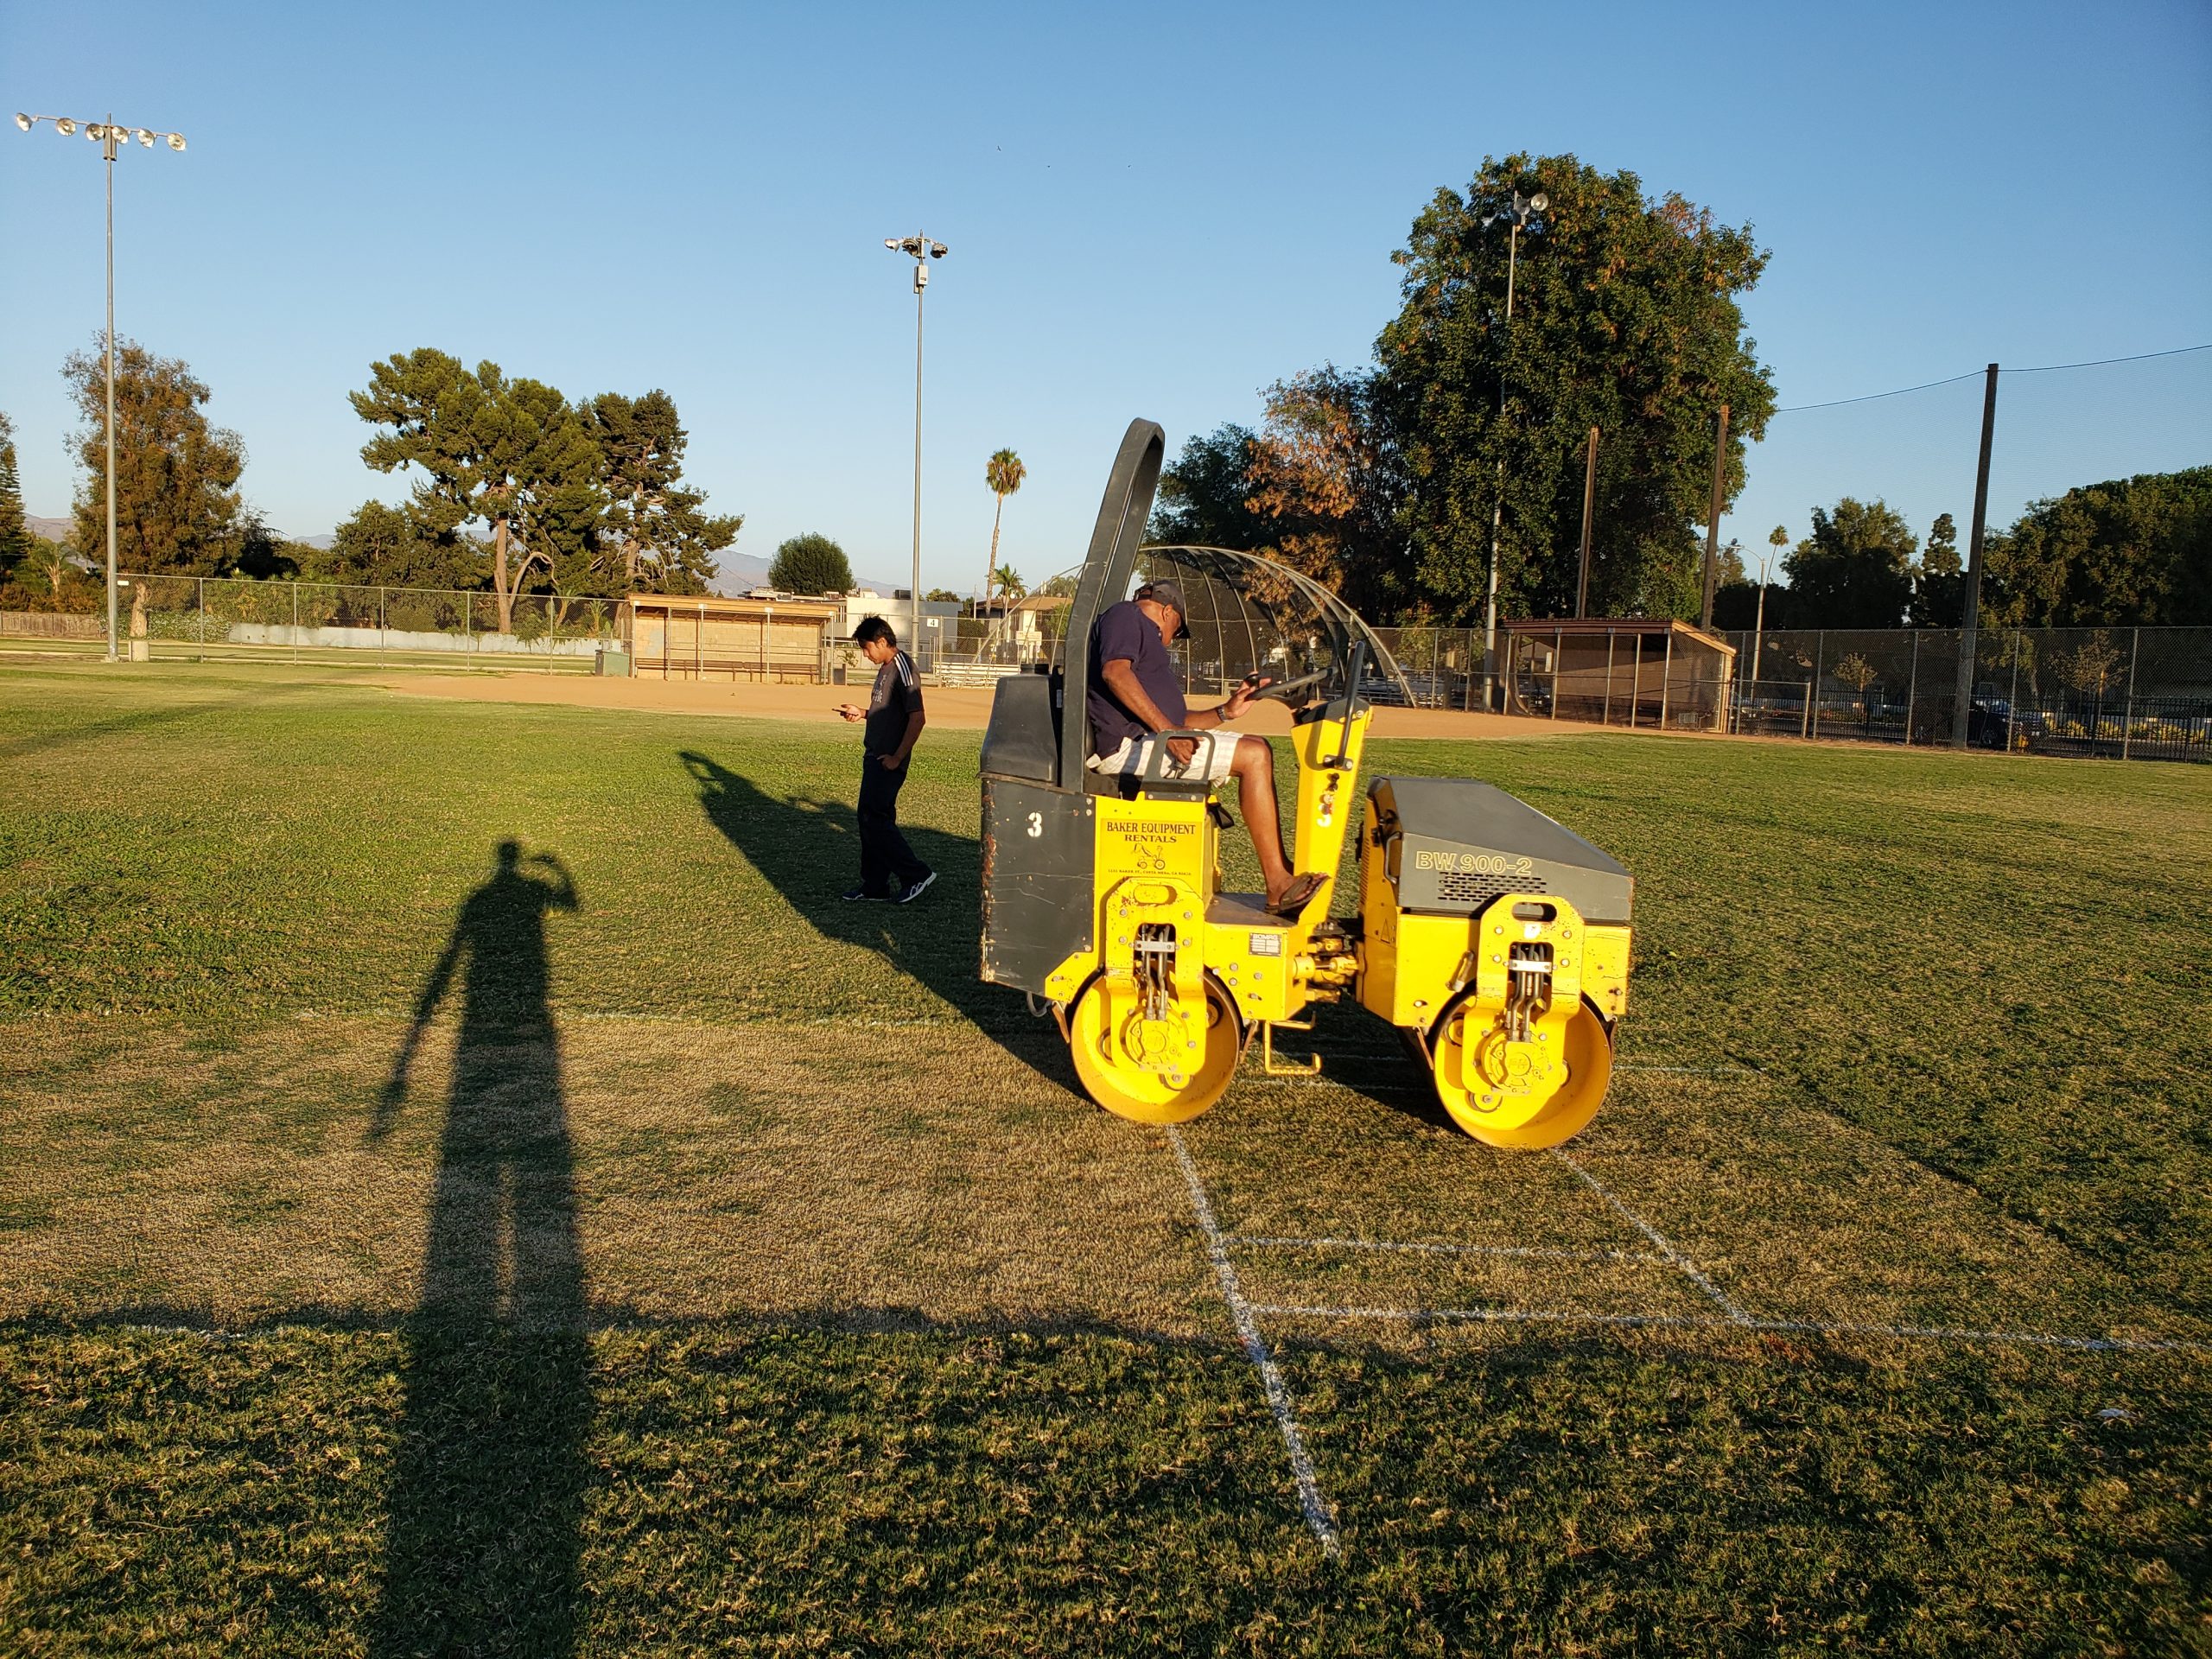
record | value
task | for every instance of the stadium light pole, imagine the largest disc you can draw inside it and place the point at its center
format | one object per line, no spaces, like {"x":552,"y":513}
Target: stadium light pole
{"x":1523,"y":208}
{"x":110,"y":138}
{"x":921,"y":249}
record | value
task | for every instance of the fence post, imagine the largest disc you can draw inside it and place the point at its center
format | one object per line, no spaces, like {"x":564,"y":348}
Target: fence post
{"x":1812,"y":697}
{"x":1667,"y":671}
{"x":203,"y":617}
{"x":296,"y":622}
{"x":1911,"y":686}
{"x":2013,"y":698}
{"x":1559,"y":648}
{"x":468,"y":632}
{"x":1606,"y":719}
{"x":384,"y":623}
{"x":2127,"y":715}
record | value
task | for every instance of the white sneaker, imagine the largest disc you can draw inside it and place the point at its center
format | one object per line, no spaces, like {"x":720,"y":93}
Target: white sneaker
{"x":917,"y":889}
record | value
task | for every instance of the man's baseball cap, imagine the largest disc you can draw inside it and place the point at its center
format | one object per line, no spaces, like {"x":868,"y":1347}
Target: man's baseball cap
{"x":1170,"y":593}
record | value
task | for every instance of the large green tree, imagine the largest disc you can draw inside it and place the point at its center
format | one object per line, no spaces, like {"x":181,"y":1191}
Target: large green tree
{"x":1854,"y":570}
{"x":509,"y":454}
{"x":381,"y":546}
{"x":1381,"y":484}
{"x":2129,"y":552}
{"x":1625,"y":318}
{"x":15,"y":534}
{"x":1205,"y":498}
{"x":1324,"y":474}
{"x":810,"y":563}
{"x":655,"y":536}
{"x":1939,"y":591}
{"x":178,"y":508}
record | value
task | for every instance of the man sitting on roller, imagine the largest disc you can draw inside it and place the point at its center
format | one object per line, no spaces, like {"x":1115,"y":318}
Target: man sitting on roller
{"x":1134,"y":690}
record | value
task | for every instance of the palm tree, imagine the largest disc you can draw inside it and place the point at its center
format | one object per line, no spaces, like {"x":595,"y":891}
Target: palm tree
{"x":1003,"y":473}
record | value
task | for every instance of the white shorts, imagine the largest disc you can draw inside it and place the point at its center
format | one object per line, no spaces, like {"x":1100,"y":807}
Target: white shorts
{"x":1217,"y":759}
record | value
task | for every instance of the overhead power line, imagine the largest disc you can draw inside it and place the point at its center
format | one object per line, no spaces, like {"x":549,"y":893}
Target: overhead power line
{"x":2040,"y":368}
{"x":1838,"y":403}
{"x":2097,"y":363}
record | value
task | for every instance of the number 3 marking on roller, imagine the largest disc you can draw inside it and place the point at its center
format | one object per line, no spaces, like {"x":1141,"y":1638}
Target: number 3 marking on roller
{"x":1036,"y":825}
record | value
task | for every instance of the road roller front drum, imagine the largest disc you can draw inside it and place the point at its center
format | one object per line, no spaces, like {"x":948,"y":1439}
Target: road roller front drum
{"x":1125,"y":1053}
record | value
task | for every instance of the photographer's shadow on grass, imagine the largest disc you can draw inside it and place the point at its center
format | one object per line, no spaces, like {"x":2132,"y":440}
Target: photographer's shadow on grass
{"x":483,"y":1528}
{"x":807,"y":849}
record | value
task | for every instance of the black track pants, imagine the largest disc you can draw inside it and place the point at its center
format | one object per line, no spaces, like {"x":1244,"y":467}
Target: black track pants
{"x":887,"y":863}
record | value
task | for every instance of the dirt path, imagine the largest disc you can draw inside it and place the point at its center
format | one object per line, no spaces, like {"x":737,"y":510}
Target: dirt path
{"x":962,"y":708}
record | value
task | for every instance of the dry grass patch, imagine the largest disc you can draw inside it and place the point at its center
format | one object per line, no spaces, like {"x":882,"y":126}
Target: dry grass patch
{"x":891,"y":1173}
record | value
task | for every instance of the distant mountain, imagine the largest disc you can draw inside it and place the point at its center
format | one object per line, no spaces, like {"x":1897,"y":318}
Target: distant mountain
{"x":57,"y":530}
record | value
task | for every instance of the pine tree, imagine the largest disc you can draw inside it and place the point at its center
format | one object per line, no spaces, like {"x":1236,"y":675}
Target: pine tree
{"x":14,"y":535}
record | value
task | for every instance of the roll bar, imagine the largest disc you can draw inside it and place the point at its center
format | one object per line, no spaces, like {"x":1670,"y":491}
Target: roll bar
{"x":1122,"y":515}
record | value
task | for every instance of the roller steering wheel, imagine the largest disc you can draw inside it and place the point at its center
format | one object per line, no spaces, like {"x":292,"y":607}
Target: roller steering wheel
{"x":1283,"y":690}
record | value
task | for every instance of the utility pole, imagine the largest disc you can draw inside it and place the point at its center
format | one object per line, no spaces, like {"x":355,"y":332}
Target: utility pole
{"x":1712,"y":517}
{"x":1972,"y":619}
{"x":1589,"y":519}
{"x":1519,"y":212}
{"x":922,"y":250}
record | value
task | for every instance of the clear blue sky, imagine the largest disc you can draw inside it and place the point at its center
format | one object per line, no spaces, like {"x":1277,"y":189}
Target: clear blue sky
{"x":1152,"y":211}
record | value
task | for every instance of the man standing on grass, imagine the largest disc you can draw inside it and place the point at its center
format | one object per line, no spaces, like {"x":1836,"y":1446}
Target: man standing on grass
{"x":893,"y":717}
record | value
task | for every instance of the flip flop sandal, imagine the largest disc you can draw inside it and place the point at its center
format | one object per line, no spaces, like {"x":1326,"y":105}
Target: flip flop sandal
{"x":1298,"y":895}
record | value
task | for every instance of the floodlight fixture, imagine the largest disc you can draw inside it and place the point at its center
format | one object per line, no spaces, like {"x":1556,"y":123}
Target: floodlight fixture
{"x":67,"y":127}
{"x":176,"y":141}
{"x":938,"y":250}
{"x":22,"y":121}
{"x":146,"y":136}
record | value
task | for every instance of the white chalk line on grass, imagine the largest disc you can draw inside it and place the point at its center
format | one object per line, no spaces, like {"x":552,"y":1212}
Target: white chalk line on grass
{"x":1493,"y":1315}
{"x":1721,"y":1298}
{"x":1693,"y":1070}
{"x":1774,"y":1327}
{"x":1248,"y":1329}
{"x":1526,"y":1250}
{"x":1901,"y":1332}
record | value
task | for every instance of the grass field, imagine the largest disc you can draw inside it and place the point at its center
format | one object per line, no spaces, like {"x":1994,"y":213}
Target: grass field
{"x":703,"y":1263}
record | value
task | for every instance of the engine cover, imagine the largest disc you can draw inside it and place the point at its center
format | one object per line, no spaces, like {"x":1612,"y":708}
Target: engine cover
{"x":1450,"y":846}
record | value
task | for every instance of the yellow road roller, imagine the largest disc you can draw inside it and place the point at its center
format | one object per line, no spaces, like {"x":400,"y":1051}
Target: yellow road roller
{"x":1495,"y":940}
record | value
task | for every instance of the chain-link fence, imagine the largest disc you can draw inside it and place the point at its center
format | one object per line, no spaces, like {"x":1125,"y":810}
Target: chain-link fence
{"x":212,"y":618}
{"x":2125,"y":693}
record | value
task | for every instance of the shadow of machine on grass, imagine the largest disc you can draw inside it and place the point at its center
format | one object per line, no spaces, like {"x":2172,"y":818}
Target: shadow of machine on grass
{"x":485,"y":1509}
{"x":808,"y":851}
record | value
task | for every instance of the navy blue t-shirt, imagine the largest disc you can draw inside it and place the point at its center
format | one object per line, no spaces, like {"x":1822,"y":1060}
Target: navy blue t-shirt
{"x":1127,"y":633}
{"x":894,"y":697}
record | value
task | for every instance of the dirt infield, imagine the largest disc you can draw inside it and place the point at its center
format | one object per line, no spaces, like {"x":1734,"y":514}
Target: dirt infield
{"x":962,"y":708}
